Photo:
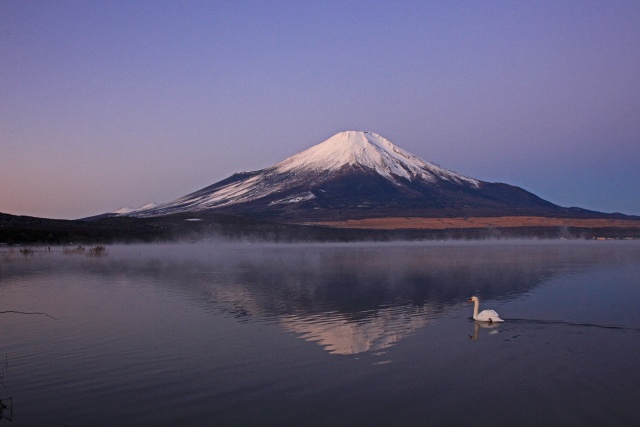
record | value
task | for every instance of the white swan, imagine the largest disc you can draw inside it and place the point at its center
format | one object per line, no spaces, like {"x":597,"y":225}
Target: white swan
{"x":484,"y":315}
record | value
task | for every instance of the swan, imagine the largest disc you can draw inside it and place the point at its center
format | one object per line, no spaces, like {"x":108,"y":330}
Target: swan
{"x":485,"y":315}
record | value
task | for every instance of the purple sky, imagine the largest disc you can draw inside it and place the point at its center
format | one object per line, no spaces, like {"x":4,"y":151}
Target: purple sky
{"x":112,"y":104}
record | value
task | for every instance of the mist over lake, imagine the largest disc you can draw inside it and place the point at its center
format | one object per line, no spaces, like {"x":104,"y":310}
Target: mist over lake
{"x":322,"y":334}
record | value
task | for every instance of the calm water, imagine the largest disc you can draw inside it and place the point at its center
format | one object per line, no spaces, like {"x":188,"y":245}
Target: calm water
{"x":318,"y":335}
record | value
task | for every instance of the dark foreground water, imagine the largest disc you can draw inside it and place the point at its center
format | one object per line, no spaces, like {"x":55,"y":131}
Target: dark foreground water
{"x":322,"y":335}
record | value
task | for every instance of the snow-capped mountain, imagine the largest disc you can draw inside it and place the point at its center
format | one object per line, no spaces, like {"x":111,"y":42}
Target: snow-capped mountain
{"x":354,"y":175}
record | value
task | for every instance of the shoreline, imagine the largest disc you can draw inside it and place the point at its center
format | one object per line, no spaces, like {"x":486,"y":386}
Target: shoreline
{"x":404,"y":223}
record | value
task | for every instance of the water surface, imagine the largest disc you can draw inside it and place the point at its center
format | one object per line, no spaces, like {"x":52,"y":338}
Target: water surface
{"x":266,"y":334}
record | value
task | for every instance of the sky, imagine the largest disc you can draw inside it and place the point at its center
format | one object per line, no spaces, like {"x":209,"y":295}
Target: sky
{"x":107,"y":104}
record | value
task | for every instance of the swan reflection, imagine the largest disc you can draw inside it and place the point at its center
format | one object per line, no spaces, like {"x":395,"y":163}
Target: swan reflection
{"x":484,"y":325}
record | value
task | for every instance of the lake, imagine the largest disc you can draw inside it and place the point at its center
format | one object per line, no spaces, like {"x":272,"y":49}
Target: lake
{"x":237,"y":334}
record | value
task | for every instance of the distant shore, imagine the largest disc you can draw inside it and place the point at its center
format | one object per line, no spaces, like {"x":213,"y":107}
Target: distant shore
{"x":15,"y":230}
{"x":476,"y":222}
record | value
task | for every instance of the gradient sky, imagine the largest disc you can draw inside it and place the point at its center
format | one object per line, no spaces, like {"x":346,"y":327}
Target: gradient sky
{"x":112,"y":104}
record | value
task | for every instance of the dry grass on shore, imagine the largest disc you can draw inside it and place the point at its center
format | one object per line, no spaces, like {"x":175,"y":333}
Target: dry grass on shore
{"x":476,"y":222}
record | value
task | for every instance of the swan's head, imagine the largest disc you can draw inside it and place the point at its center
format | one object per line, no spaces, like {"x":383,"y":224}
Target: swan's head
{"x":473,"y":299}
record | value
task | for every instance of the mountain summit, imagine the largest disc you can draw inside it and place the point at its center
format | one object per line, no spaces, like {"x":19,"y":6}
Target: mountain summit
{"x":356,"y":175}
{"x":368,"y":151}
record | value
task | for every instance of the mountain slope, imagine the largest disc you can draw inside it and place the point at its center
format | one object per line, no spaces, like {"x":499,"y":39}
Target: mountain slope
{"x":357,"y":175}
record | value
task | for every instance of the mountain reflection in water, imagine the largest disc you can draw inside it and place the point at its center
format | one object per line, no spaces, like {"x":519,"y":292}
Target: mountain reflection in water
{"x":347,"y":298}
{"x":314,"y":335}
{"x":340,"y":335}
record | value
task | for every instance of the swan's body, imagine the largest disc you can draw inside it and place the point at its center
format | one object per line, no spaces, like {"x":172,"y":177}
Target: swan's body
{"x":484,"y":315}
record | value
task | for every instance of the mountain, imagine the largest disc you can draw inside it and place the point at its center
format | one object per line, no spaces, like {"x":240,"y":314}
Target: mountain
{"x":355,"y":175}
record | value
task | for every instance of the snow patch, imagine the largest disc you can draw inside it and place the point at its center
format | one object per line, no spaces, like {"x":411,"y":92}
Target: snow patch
{"x":128,"y":211}
{"x":295,"y":199}
{"x":147,"y":206}
{"x":123,"y":211}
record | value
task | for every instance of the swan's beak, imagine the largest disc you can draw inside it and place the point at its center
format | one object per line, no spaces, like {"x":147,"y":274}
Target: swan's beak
{"x":470,"y":300}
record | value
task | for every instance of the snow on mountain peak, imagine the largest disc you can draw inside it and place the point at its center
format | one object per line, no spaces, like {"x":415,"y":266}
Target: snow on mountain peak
{"x":365,"y":150}
{"x":371,"y":151}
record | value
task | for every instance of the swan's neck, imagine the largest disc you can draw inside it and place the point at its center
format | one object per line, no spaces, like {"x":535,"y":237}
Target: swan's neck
{"x":476,"y":306}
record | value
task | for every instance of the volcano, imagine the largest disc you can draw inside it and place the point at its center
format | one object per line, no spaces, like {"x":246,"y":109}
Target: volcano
{"x":356,"y":175}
